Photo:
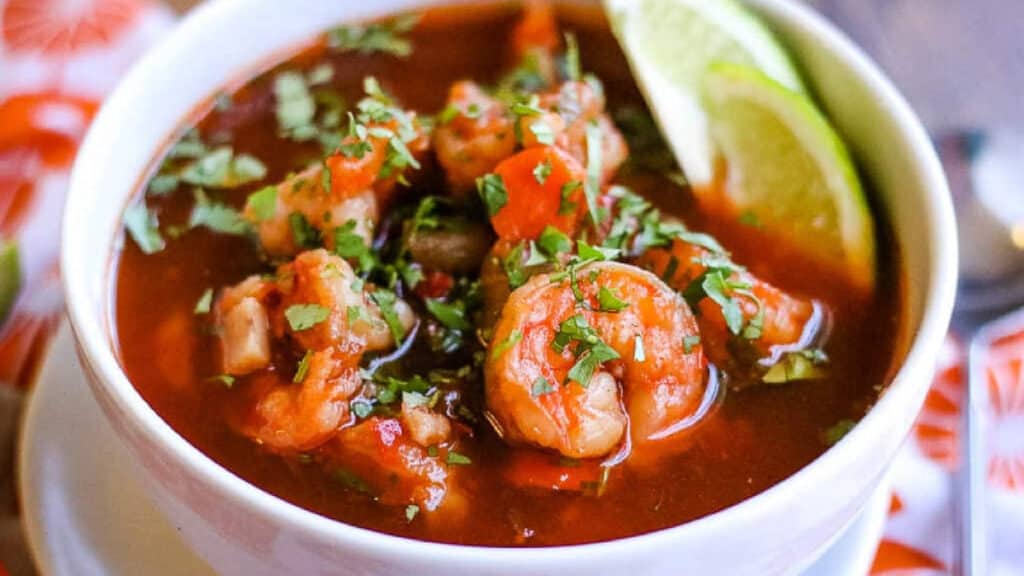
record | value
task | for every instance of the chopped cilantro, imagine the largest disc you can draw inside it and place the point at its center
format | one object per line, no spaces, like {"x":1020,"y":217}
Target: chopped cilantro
{"x":837,"y":431}
{"x":573,"y":71}
{"x":411,"y":511}
{"x":303,"y":233}
{"x":144,"y":228}
{"x":492,"y":191}
{"x":590,"y":350}
{"x":690,"y":342}
{"x":543,"y":133}
{"x":451,"y":315}
{"x":542,"y":171}
{"x":456,"y":459}
{"x":505,"y":345}
{"x":566,"y":206}
{"x":513,"y":266}
{"x":216,"y":216}
{"x":204,"y":302}
{"x":554,"y":242}
{"x":607,"y":301}
{"x":226,"y":379}
{"x":321,"y":74}
{"x":541,"y":386}
{"x":795,"y":366}
{"x":350,"y":245}
{"x":595,"y":253}
{"x":716,"y":287}
{"x":592,"y":184}
{"x":262,"y":203}
{"x":303,"y":367}
{"x":222,"y":168}
{"x":379,"y":37}
{"x":295,"y":108}
{"x":163,"y":184}
{"x":351,"y":481}
{"x":304,"y":316}
{"x":449,"y":113}
{"x":386,"y":300}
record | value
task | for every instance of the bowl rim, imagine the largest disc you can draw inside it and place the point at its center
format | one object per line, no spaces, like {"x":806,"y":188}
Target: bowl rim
{"x":94,"y":338}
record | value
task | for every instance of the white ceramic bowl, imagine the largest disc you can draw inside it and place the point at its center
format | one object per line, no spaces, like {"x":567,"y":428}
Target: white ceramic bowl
{"x":239,"y":529}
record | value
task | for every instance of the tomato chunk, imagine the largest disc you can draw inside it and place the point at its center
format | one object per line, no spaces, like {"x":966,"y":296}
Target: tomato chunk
{"x":534,"y":180}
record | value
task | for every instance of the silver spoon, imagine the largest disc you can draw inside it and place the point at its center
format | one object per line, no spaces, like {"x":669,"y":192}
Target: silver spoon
{"x":986,"y":176}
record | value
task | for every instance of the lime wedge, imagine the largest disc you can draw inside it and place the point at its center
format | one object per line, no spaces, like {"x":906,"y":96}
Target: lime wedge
{"x":10,"y":277}
{"x":671,"y":43}
{"x":789,"y":168}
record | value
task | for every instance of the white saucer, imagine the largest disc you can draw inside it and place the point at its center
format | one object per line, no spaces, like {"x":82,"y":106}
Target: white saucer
{"x":85,"y":512}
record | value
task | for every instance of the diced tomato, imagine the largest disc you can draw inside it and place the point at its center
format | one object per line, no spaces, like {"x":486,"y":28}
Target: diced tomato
{"x":435,"y":284}
{"x":535,"y":202}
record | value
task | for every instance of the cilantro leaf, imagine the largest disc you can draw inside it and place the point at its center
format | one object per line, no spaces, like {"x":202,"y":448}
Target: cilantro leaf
{"x":144,"y":228}
{"x":451,"y":315}
{"x":592,"y":183}
{"x":380,"y":37}
{"x":304,"y":316}
{"x":540,"y":387}
{"x":295,"y":108}
{"x":303,"y":368}
{"x":492,"y":191}
{"x":303,"y":233}
{"x":204,"y":302}
{"x":456,"y":459}
{"x":386,"y":300}
{"x":262,"y":203}
{"x":554,"y":242}
{"x":542,"y":171}
{"x":505,"y":345}
{"x":222,"y":168}
{"x":573,"y":71}
{"x":216,"y":216}
{"x":796,"y":366}
{"x":350,"y":245}
{"x":607,"y":301}
{"x":837,"y":431}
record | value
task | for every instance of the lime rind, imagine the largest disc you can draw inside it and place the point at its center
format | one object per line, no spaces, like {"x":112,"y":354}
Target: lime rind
{"x":792,"y":133}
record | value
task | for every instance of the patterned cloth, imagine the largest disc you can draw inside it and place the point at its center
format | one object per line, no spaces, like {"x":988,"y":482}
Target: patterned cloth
{"x":58,"y":58}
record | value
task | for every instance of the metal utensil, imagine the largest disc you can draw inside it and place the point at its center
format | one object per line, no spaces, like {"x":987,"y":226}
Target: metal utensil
{"x":987,"y":179}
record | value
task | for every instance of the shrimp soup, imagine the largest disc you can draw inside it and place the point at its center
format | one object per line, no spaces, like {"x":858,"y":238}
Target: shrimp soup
{"x":438,"y":276}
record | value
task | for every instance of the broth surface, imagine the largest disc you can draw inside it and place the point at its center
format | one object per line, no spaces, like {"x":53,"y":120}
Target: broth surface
{"x":757,"y":438}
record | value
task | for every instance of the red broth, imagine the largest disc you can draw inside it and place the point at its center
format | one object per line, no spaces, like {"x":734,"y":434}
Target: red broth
{"x":758,"y":437}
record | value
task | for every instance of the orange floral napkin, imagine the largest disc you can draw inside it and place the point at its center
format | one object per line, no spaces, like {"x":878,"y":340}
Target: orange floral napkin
{"x":58,"y":58}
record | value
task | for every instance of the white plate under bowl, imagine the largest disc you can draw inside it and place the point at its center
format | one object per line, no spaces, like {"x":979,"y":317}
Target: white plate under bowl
{"x":86,"y":514}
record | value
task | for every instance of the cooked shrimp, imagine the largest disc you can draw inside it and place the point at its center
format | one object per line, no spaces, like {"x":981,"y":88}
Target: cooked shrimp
{"x":243,"y":326}
{"x":345,"y":187}
{"x":785,"y":317}
{"x":379,"y":456}
{"x":318,"y":278}
{"x":653,"y":385}
{"x":479,"y":136}
{"x":581,"y":104}
{"x":291,"y":417}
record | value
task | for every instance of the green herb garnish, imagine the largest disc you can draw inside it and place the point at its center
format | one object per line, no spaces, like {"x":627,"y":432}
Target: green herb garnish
{"x":492,"y":191}
{"x":304,"y":316}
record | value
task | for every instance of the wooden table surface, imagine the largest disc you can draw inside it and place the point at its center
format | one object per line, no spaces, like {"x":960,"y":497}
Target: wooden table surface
{"x":959,"y":62}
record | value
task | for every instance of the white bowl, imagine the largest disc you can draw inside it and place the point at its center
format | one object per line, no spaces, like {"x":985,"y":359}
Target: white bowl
{"x":240,"y":529}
